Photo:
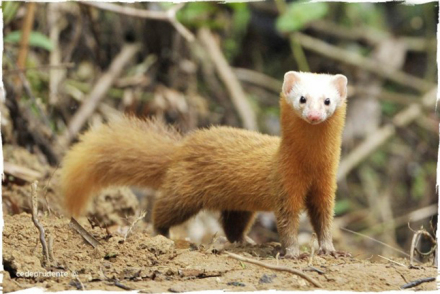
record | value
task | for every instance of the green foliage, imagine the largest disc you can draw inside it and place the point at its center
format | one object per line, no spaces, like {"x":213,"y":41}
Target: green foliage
{"x":421,"y":180}
{"x":389,"y":108}
{"x":379,"y":158}
{"x":298,"y":15}
{"x":36,"y":39}
{"x":199,"y":14}
{"x":342,"y":206}
{"x":9,"y":11}
{"x":365,"y":14}
{"x":240,"y":20}
{"x":417,"y":20}
{"x":241,"y":17}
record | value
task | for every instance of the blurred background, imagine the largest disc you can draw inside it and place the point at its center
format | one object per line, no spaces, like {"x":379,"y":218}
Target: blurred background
{"x":67,"y":66}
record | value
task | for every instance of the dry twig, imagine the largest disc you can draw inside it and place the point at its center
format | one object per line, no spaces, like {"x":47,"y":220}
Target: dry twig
{"x":34,"y":200}
{"x":26,"y":31}
{"x":312,"y":249}
{"x":417,"y":282}
{"x":20,"y":172}
{"x":228,"y":77}
{"x":41,"y":67}
{"x":50,"y":247}
{"x":372,"y":36}
{"x":89,"y":238}
{"x":99,"y":90}
{"x":390,"y":260}
{"x":259,"y":79}
{"x":377,"y":241}
{"x":169,"y":15}
{"x":277,"y":268}
{"x":415,"y":241}
{"x":134,"y":223}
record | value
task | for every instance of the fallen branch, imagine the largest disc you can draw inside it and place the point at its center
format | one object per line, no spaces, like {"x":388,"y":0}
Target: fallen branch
{"x":417,"y":282}
{"x":379,"y":137}
{"x":34,"y":201}
{"x":169,"y":15}
{"x":20,"y":172}
{"x":98,"y":92}
{"x":80,"y":230}
{"x":41,"y":67}
{"x":259,"y":79}
{"x":371,"y":36}
{"x":238,"y":97}
{"x":277,"y":268}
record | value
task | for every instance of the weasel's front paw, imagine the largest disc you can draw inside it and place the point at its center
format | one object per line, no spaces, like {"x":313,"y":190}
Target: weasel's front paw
{"x":334,"y":253}
{"x":294,"y":253}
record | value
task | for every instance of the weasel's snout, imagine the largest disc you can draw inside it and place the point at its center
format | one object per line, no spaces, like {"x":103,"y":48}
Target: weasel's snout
{"x":314,"y":116}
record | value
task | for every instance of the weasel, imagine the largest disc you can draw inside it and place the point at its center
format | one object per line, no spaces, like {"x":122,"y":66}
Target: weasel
{"x":235,"y":171}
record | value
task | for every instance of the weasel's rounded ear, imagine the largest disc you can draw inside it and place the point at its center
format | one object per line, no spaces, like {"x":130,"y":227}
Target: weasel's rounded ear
{"x":340,"y":82}
{"x":290,"y":79}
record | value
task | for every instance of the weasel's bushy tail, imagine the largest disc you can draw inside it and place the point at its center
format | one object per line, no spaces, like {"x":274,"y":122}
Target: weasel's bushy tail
{"x":128,"y":151}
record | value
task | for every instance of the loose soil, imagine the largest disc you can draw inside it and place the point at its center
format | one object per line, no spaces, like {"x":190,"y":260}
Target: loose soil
{"x":157,"y":264}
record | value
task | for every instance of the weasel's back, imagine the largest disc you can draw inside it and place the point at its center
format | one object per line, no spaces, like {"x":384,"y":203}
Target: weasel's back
{"x":230,"y":168}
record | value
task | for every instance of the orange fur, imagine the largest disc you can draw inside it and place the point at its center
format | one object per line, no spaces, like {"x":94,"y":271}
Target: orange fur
{"x":125,"y":152}
{"x":235,"y":171}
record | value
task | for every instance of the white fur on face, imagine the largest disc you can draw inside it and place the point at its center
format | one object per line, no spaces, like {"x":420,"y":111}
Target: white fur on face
{"x":316,"y":88}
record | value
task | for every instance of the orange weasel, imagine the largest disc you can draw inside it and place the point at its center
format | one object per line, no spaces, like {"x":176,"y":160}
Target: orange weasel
{"x":235,"y":171}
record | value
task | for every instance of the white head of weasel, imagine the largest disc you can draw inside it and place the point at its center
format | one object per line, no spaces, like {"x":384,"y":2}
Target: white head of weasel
{"x":314,"y":97}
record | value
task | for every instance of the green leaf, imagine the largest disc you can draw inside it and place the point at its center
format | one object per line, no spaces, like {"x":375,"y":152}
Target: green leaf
{"x":9,"y":11}
{"x":241,"y":17}
{"x":198,"y":14}
{"x":365,"y":15}
{"x":299,"y":14}
{"x":36,"y":39}
{"x":342,"y":206}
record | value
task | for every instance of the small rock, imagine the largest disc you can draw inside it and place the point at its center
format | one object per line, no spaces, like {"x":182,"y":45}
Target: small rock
{"x":191,"y":272}
{"x":236,"y":284}
{"x":131,"y":272}
{"x":76,"y":284}
{"x":176,"y":290}
{"x":265,"y":279}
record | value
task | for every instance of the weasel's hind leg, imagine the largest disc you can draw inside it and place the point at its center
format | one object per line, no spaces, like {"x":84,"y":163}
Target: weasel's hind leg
{"x":236,"y":224}
{"x":171,"y":211}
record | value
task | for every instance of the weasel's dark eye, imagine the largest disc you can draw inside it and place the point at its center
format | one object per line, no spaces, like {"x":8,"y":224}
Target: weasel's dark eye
{"x":302,"y":99}
{"x":327,"y":101}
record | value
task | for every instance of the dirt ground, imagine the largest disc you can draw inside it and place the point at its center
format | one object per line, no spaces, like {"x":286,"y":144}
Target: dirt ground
{"x":157,"y":264}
